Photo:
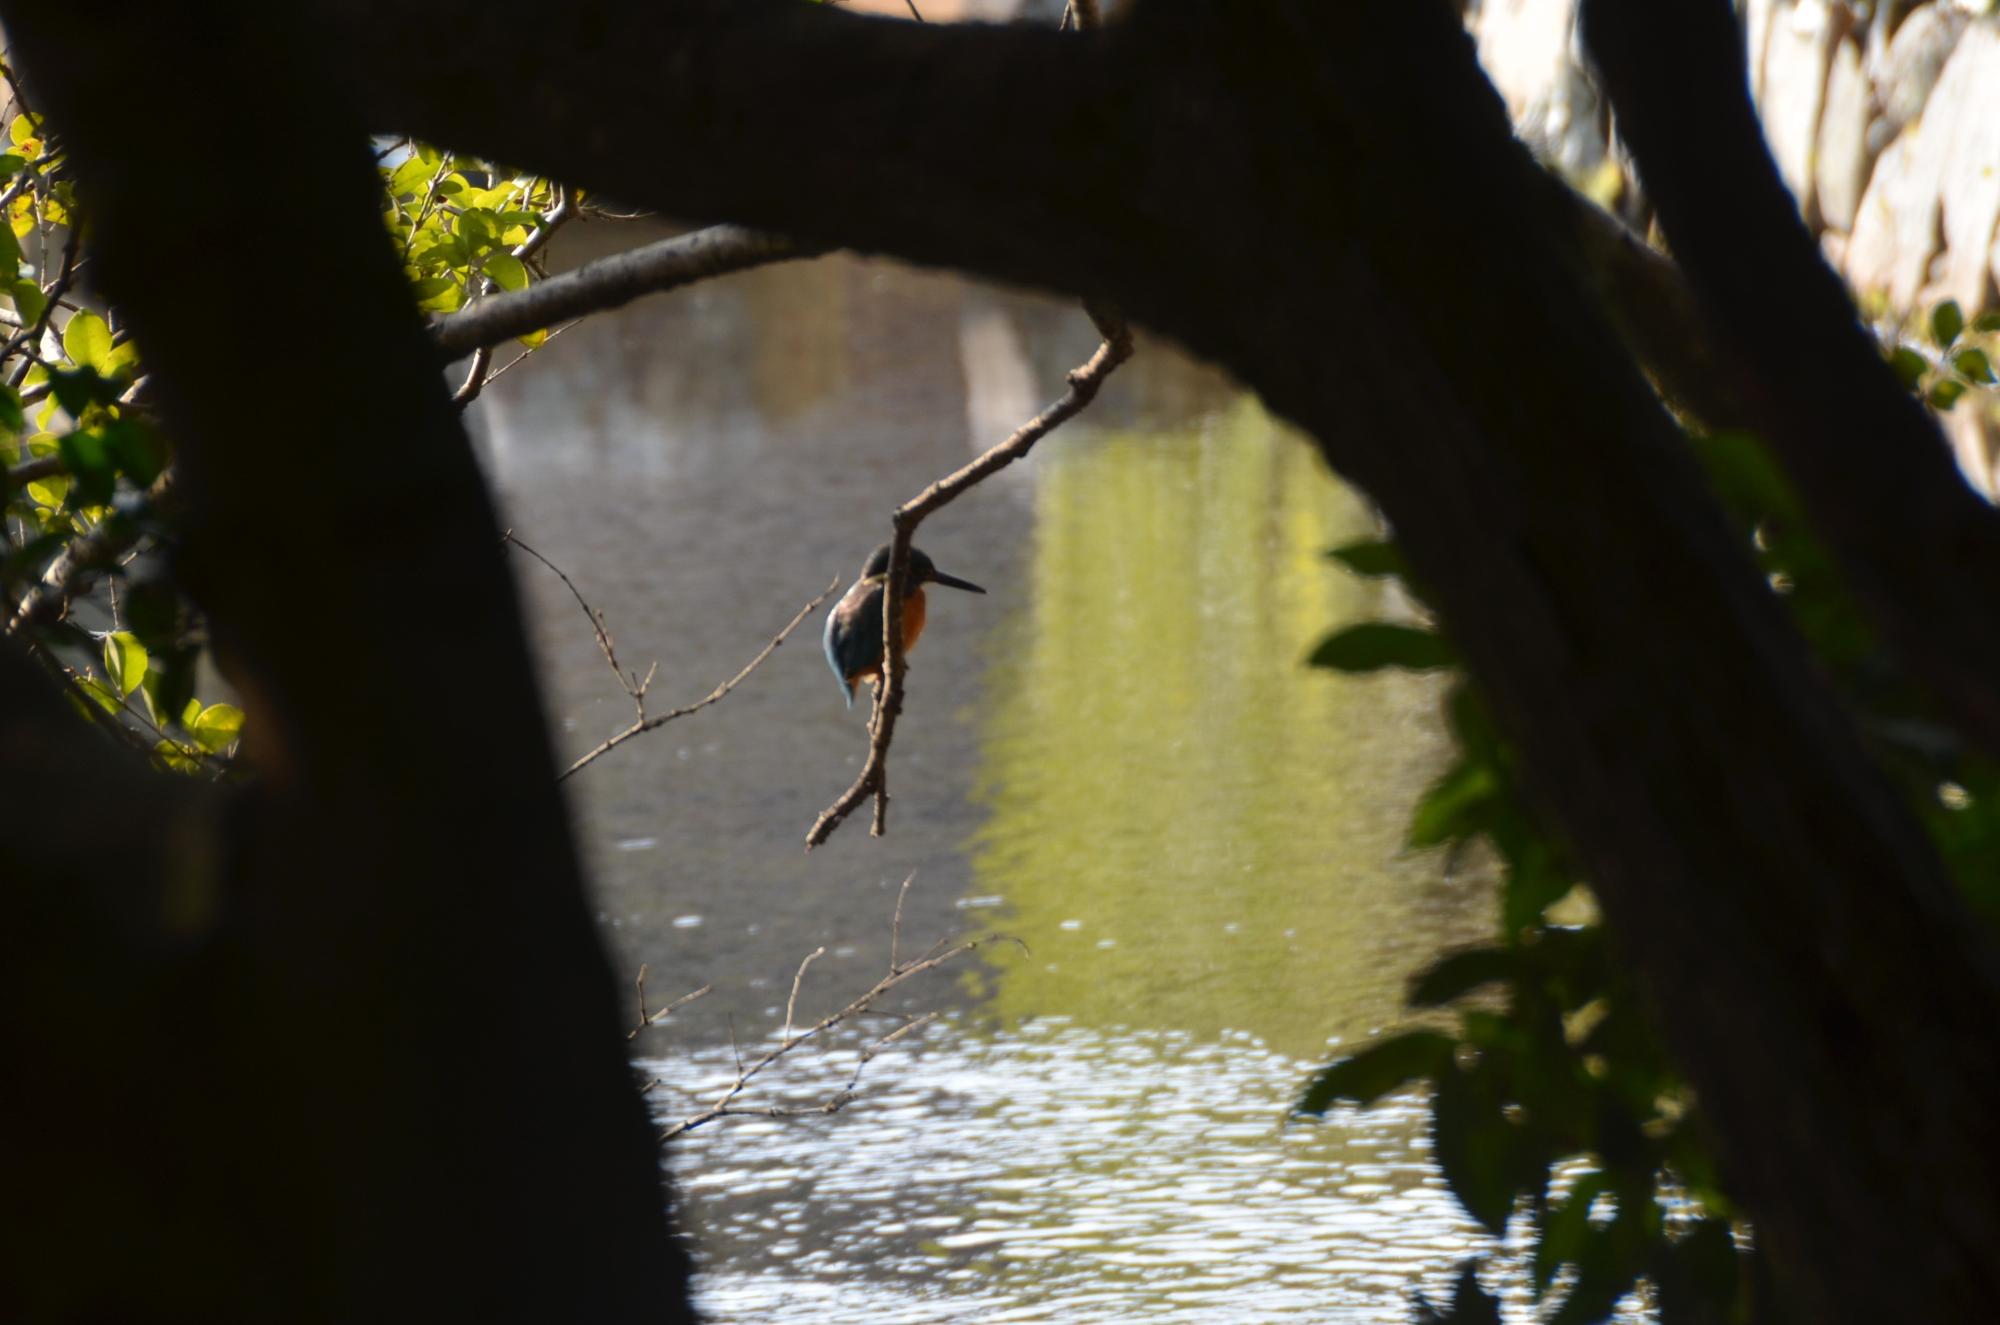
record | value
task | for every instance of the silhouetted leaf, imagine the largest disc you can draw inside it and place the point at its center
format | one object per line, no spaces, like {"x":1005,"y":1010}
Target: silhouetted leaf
{"x":1486,"y":1159}
{"x":1564,"y":1229}
{"x":1470,"y":1304}
{"x":1457,"y":805}
{"x":1379,"y":1068}
{"x":1973,"y":365}
{"x":1460,"y":973}
{"x":1946,"y":322}
{"x":1371,"y":558}
{"x":1908,"y":366}
{"x":1374,"y":645}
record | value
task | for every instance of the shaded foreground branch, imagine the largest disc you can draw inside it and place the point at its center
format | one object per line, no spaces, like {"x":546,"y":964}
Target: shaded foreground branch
{"x":1084,"y":383}
{"x":610,"y":282}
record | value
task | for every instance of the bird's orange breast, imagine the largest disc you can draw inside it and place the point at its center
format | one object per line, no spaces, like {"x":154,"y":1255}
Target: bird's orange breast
{"x":913,"y":626}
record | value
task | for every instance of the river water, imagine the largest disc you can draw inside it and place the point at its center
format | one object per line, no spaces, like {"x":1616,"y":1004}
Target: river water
{"x":1114,"y":757}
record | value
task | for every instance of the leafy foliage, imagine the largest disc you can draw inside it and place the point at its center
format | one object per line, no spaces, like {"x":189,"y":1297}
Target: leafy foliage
{"x":89,"y":513}
{"x":1553,"y":1100}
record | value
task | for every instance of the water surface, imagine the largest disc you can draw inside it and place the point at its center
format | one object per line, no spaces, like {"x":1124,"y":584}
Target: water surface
{"x":1115,"y":756}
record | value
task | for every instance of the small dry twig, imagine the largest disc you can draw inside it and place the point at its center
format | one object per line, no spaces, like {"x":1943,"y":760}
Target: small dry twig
{"x":654,"y":1018}
{"x":725,"y":1104}
{"x":1084,"y":384}
{"x":636,"y":686}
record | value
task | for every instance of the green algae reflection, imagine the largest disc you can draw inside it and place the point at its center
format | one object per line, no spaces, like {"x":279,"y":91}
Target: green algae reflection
{"x":1188,"y":828}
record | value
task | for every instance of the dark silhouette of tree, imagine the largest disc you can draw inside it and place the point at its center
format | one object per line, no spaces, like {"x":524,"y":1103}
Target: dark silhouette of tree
{"x":1324,"y":199}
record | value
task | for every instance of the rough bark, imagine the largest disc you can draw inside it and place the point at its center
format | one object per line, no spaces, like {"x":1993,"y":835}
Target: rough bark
{"x":1331,"y":207}
{"x":363,"y":1058}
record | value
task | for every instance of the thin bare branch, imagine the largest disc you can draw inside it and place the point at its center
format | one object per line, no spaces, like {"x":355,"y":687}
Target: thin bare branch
{"x":645,"y":724}
{"x":647,"y":1019}
{"x":725,"y":1104}
{"x":1084,"y":384}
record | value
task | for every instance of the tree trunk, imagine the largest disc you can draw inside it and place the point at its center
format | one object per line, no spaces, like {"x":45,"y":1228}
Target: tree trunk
{"x":339,"y":1045}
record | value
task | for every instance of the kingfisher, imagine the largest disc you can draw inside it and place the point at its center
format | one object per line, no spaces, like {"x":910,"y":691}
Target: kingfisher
{"x":854,"y":627}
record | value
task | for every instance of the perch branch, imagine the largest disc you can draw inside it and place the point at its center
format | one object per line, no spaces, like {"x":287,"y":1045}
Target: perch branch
{"x":1084,"y":384}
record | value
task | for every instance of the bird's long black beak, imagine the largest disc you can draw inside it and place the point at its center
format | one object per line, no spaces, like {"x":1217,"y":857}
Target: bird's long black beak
{"x":953,"y":582}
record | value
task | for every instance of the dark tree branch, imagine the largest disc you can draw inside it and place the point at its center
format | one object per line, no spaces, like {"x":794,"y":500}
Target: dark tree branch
{"x":612,"y":282}
{"x":1922,"y":549}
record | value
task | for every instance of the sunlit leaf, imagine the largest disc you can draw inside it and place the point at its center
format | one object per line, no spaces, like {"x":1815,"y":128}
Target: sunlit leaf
{"x":216,"y":727}
{"x":534,"y":340}
{"x":1946,"y":394}
{"x":506,"y":270}
{"x":86,"y":339}
{"x":124,"y":661}
{"x":1376,"y":1070}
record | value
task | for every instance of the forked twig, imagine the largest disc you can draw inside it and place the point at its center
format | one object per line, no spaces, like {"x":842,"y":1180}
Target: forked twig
{"x":636,"y":686}
{"x":725,"y":1105}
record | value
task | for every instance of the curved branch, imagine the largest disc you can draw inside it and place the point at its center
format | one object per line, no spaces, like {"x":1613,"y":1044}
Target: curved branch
{"x":1876,"y":475}
{"x":611,"y":282}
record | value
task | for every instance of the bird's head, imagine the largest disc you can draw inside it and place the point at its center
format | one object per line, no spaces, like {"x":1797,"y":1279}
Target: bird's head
{"x":922,"y":571}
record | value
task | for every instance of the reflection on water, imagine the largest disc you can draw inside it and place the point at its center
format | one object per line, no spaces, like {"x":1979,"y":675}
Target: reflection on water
{"x":1190,"y":830}
{"x":1116,"y":756}
{"x":1064,"y":1173}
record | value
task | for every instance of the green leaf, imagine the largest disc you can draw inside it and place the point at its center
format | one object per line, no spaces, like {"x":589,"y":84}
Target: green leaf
{"x":1371,"y":558}
{"x":1909,"y":366}
{"x":1564,"y":1230}
{"x":22,"y":129}
{"x":50,"y":492}
{"x":11,"y":163}
{"x":216,"y":727}
{"x":135,"y":449}
{"x":1381,"y":1067}
{"x":1373,"y":645}
{"x":1460,"y":973}
{"x":1987,"y":321}
{"x":1946,"y":322}
{"x":176,"y":758}
{"x":410,"y":177}
{"x":1456,"y":805}
{"x":1946,"y":393}
{"x":12,"y":417}
{"x":506,"y":270}
{"x":29,"y":301}
{"x":1486,"y":1159}
{"x":86,"y":339}
{"x":124,"y":661}
{"x":1973,"y":365}
{"x":107,"y":698}
{"x":89,"y":463}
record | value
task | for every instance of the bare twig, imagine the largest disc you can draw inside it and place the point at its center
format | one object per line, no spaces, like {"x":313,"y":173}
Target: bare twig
{"x":725,"y":1104}
{"x":1084,"y":384}
{"x":798,"y":979}
{"x":475,"y":378}
{"x":654,"y":1018}
{"x":637,"y":686}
